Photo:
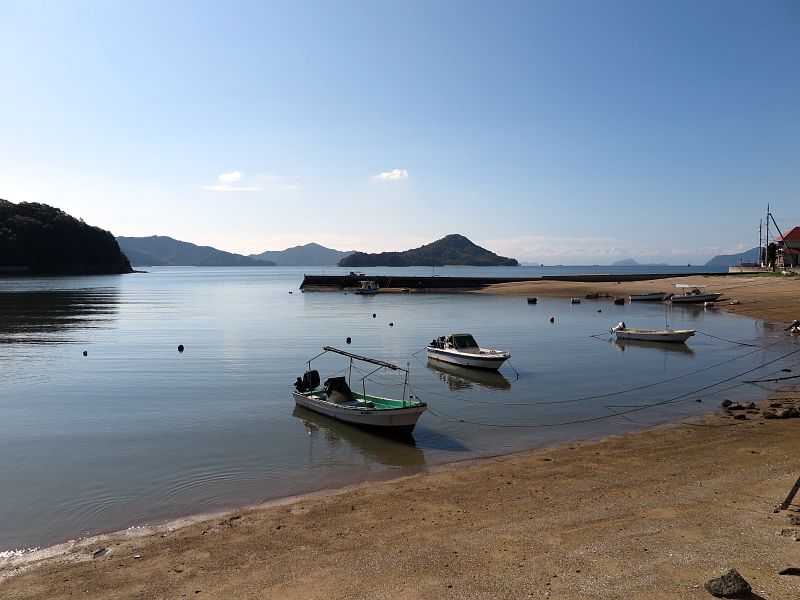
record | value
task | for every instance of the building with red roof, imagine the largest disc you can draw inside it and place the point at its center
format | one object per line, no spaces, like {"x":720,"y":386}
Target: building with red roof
{"x":789,"y":249}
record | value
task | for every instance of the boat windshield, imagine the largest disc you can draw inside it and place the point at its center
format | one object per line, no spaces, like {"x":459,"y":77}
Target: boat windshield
{"x":464,"y":341}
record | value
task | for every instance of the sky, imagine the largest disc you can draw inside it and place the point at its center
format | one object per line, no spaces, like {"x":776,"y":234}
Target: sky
{"x":560,"y":132}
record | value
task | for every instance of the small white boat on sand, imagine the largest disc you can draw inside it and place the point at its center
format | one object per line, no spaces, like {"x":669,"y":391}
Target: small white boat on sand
{"x":462,"y":349}
{"x":695,"y":296}
{"x":623,"y":332}
{"x":367,"y":287}
{"x":649,"y":297}
{"x":336,"y":400}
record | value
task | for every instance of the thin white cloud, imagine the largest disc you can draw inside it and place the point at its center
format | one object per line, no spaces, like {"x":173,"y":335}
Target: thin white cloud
{"x":393,"y":175}
{"x":230,"y":177}
{"x":235,"y":181}
{"x":231,"y":188}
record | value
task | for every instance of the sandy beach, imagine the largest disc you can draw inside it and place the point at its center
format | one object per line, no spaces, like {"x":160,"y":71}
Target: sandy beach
{"x":648,"y":515}
{"x":772,"y":298}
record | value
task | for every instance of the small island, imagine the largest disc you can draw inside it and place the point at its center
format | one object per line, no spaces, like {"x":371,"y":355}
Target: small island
{"x":37,"y":239}
{"x":453,"y":249}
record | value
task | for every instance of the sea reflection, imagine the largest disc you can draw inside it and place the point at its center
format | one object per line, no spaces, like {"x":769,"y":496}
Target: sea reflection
{"x":395,"y":451}
{"x":663,"y":346}
{"x":45,"y":317}
{"x":462,"y":378}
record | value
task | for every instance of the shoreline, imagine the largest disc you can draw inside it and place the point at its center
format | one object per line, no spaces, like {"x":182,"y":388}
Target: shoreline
{"x":643,"y":515}
{"x":425,"y":521}
{"x":770,"y":298}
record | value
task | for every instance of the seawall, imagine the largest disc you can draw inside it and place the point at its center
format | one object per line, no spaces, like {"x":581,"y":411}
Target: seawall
{"x":453,"y":283}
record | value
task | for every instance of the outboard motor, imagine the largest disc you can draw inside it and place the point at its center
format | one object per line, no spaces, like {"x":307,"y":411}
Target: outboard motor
{"x":618,"y":327}
{"x":311,"y":379}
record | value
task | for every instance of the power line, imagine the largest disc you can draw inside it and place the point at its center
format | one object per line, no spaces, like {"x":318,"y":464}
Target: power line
{"x":603,"y":417}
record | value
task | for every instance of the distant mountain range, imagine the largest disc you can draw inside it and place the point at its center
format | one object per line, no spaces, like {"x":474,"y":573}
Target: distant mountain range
{"x":453,"y":249}
{"x":732,"y":260}
{"x":38,"y":239}
{"x":629,"y":262}
{"x":307,"y":255}
{"x":159,"y":250}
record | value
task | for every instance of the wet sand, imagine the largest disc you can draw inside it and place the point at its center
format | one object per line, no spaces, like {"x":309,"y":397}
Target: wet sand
{"x":641,"y":516}
{"x":770,"y":298}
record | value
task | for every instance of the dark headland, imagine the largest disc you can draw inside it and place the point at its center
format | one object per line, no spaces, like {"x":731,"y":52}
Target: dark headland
{"x":37,"y":239}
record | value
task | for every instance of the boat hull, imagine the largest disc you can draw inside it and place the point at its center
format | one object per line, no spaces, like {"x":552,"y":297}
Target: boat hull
{"x":695,"y":298}
{"x":484,"y":360}
{"x":654,"y":297}
{"x":667,"y":335}
{"x":391,"y":420}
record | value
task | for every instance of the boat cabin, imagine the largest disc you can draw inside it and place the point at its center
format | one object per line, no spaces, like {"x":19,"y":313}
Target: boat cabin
{"x":463,"y":342}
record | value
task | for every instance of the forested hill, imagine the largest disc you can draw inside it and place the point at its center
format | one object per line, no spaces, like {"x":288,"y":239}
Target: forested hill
{"x":732,"y":260}
{"x":308,"y":255}
{"x":162,"y":250}
{"x":453,"y":249}
{"x":40,"y":239}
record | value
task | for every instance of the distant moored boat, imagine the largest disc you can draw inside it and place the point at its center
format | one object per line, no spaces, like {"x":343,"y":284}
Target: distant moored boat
{"x":650,"y":297}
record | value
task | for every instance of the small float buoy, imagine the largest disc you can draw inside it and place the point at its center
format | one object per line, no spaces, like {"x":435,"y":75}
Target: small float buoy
{"x":532,"y":300}
{"x":391,"y":324}
{"x":575,"y":300}
{"x":348,"y":340}
{"x":552,"y":319}
{"x":290,"y":292}
{"x":619,"y":301}
{"x":180,"y":347}
{"x":85,"y":353}
{"x":599,"y":310}
{"x":373,"y":315}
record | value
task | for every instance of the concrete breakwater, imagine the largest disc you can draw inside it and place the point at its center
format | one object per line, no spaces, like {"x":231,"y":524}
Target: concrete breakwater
{"x":453,"y":283}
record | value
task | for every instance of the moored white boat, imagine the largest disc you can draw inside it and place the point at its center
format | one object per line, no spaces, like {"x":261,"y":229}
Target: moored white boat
{"x":696,"y":295}
{"x":462,"y":349}
{"x":623,"y":332}
{"x":369,"y":286}
{"x":336,"y":400}
{"x":649,"y":297}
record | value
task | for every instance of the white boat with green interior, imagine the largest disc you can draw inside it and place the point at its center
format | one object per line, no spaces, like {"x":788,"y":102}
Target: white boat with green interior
{"x":336,"y":400}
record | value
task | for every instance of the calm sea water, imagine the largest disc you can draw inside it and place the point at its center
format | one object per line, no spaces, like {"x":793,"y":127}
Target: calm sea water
{"x":136,"y":432}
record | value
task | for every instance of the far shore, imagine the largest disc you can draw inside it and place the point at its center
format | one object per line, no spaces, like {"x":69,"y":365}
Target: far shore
{"x":771,"y":298}
{"x":647,"y":515}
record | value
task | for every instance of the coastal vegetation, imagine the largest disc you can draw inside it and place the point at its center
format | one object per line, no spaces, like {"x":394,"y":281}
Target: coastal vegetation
{"x":159,"y":250}
{"x":38,"y":239}
{"x":453,"y":249}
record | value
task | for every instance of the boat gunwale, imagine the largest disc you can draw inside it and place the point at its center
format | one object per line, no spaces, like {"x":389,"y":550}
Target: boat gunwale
{"x":498,"y":354}
{"x":317,"y":396}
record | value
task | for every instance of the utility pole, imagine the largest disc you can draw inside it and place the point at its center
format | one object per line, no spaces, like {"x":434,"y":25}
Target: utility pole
{"x":761,"y":251}
{"x":766,"y":239}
